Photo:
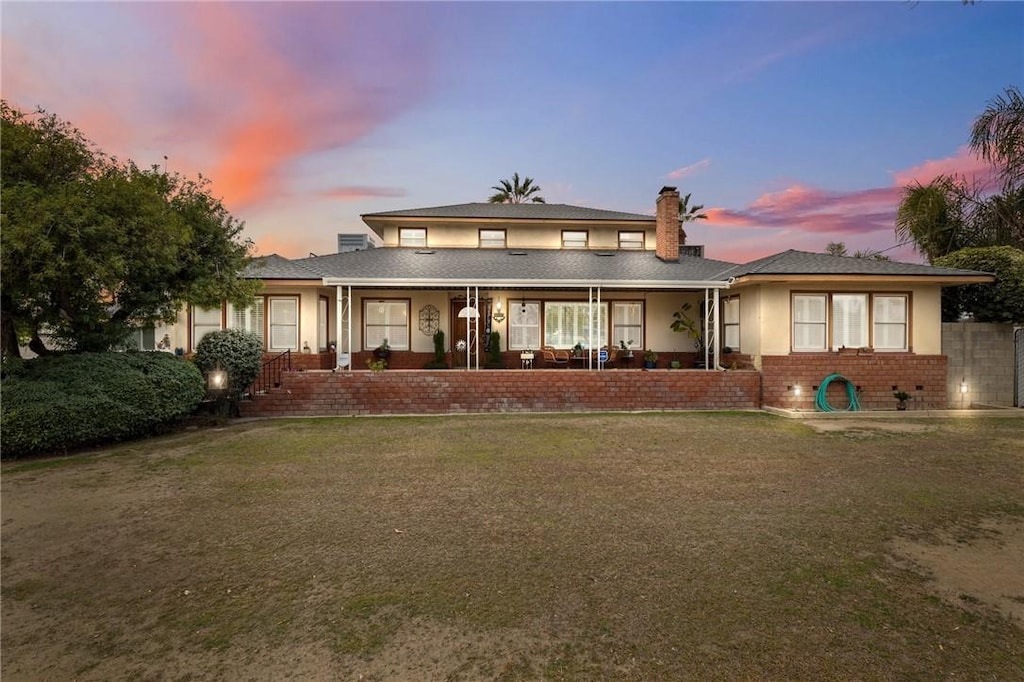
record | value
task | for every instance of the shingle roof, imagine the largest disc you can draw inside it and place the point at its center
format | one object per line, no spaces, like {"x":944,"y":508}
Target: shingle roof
{"x":514,"y":212}
{"x":525,"y":265}
{"x":278,"y":267}
{"x":793,"y":262}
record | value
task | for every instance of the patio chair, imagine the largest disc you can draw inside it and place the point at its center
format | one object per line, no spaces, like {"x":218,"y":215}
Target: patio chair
{"x":554,"y":357}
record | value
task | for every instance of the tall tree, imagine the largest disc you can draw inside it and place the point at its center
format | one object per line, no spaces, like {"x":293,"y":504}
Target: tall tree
{"x":932,"y":217}
{"x":516,"y":191}
{"x":93,"y":247}
{"x":998,"y":136}
{"x":687,"y":213}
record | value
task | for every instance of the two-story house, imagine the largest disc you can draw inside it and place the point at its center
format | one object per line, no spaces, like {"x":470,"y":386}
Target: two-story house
{"x":559,"y":276}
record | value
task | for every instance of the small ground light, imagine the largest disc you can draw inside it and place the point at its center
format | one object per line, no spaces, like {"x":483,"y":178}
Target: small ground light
{"x":963,"y":387}
{"x":796,"y":390}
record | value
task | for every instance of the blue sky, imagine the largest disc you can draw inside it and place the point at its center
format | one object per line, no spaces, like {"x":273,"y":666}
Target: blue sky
{"x":796,"y":124}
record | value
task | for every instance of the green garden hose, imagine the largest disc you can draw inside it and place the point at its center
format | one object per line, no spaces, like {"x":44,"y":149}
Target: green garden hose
{"x":821,"y":402}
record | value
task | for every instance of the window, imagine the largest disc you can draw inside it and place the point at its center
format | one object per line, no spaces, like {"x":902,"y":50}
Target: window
{"x":833,"y":321}
{"x":627,"y":323}
{"x":523,"y":325}
{"x":849,"y":321}
{"x":284,"y":323}
{"x":566,"y":324}
{"x":386,"y":319}
{"x":204,"y":321}
{"x":631,"y":240}
{"x":731,"y":323}
{"x":574,"y":239}
{"x":249,"y":319}
{"x":492,"y":239}
{"x":412,"y":236}
{"x":890,"y":322}
{"x":809,"y":322}
{"x":321,"y":320}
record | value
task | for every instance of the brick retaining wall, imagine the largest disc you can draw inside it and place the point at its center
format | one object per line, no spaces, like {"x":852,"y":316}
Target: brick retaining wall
{"x":874,"y":373}
{"x":538,"y":390}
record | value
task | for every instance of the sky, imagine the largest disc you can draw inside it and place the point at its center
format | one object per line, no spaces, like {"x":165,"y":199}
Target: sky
{"x":795,"y":124}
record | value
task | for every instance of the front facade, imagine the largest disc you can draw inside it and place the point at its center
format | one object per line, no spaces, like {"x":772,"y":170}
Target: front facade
{"x":595,"y":289}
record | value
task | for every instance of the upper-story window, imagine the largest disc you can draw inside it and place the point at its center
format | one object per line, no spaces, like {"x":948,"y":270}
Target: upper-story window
{"x":492,"y":239}
{"x":631,"y":240}
{"x":574,"y":239}
{"x":412,"y":236}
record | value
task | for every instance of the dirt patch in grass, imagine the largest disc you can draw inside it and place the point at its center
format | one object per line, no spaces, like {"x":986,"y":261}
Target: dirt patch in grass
{"x":582,"y":547}
{"x":976,"y":566}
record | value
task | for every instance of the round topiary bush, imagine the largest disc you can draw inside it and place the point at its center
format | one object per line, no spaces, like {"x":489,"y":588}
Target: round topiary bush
{"x":238,"y":352}
{"x":62,"y":402}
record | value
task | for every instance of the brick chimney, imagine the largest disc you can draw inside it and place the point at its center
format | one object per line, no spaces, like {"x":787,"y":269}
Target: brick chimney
{"x":667,"y":225}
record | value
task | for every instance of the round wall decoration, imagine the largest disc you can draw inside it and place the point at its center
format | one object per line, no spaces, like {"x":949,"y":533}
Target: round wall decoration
{"x":429,"y":319}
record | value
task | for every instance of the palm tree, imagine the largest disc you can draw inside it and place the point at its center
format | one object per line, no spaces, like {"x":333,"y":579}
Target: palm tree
{"x":687,"y":213}
{"x":998,"y":136}
{"x":516,"y":192}
{"x":932,"y":217}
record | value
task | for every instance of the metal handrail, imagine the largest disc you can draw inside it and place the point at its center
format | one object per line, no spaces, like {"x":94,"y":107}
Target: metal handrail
{"x":270,"y":374}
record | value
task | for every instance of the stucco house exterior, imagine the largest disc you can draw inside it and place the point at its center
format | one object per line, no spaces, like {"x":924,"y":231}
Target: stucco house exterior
{"x":560,"y":277}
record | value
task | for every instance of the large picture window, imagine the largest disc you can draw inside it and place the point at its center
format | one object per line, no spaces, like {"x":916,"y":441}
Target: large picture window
{"x":628,"y":323}
{"x":386,"y":319}
{"x":524,"y":325}
{"x":568,"y":324}
{"x":850,"y":320}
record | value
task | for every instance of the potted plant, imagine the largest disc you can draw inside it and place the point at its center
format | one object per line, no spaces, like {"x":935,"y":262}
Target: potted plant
{"x":901,"y":399}
{"x":577,"y":350}
{"x":650,"y":359}
{"x":439,"y":361}
{"x":382,"y":351}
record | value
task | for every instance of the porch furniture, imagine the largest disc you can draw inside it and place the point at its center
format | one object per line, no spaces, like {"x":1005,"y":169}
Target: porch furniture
{"x":555,"y":357}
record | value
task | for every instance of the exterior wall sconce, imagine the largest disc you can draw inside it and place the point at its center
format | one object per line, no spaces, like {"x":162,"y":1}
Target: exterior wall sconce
{"x":499,"y":314}
{"x":963,"y":387}
{"x":796,"y":390}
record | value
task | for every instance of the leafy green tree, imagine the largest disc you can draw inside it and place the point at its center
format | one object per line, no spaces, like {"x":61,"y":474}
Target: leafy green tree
{"x":93,"y":247}
{"x":1002,"y":301}
{"x":836,"y":249}
{"x":516,"y":191}
{"x":839,"y":249}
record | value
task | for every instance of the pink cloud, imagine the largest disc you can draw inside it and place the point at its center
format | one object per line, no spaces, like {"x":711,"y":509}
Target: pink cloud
{"x":689,"y":170}
{"x":963,"y":164}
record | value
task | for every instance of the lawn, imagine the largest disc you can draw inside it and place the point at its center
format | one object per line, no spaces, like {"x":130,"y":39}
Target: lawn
{"x":578,"y":547}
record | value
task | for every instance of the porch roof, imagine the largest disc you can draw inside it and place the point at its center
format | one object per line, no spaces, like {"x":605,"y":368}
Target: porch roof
{"x":515,"y":268}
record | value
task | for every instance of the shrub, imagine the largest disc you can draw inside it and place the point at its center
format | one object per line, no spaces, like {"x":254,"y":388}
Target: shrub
{"x":60,"y":402}
{"x":238,"y":352}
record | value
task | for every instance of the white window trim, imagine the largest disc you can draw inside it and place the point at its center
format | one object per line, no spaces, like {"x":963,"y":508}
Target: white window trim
{"x":632,"y":245}
{"x":534,"y":342}
{"x":875,"y":323}
{"x":492,"y":242}
{"x":636,"y":336}
{"x":574,"y":245}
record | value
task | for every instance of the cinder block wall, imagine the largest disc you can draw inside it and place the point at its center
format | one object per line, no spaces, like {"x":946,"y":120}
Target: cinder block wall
{"x":539,"y":390}
{"x":980,"y":354}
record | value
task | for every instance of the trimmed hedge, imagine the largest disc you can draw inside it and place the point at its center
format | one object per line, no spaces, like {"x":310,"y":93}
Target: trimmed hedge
{"x":57,"y":403}
{"x":238,"y":352}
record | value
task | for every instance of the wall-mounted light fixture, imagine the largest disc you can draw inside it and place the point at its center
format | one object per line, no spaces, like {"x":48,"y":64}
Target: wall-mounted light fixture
{"x":796,"y":390}
{"x":963,"y":387}
{"x":499,"y":314}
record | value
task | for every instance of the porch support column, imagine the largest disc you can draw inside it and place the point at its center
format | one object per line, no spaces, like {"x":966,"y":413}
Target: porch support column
{"x":343,"y":325}
{"x":717,"y":342}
